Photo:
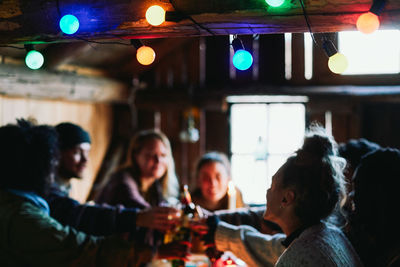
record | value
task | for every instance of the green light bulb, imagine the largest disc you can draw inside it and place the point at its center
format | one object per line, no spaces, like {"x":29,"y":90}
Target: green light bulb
{"x":275,"y":3}
{"x":34,"y":60}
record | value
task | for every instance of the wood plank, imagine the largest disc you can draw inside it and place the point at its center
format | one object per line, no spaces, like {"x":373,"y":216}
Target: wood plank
{"x":217,"y":60}
{"x":214,"y":100}
{"x":29,"y":21}
{"x":272,"y":58}
{"x":20,"y":81}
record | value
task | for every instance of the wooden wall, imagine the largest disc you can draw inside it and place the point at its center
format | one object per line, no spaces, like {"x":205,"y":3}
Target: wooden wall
{"x":52,"y":112}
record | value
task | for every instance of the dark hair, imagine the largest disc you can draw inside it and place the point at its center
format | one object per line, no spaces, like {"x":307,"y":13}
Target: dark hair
{"x":315,"y":174}
{"x":213,"y":156}
{"x":28,"y":156}
{"x":355,"y":149}
{"x":376,"y":186}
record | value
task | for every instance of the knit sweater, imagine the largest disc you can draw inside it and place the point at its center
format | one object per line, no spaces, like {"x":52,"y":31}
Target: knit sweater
{"x":320,"y":245}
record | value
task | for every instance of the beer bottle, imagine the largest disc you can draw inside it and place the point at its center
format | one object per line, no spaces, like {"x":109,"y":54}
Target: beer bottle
{"x":183,"y":232}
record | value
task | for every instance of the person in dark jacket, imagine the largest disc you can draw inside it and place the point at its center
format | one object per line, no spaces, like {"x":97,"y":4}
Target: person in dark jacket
{"x":374,"y":223}
{"x":30,"y":236}
{"x":75,"y":144}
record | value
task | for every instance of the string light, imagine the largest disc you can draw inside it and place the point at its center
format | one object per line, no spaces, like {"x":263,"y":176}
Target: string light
{"x":69,"y":24}
{"x":242,"y":59}
{"x":155,"y":15}
{"x":145,"y":55}
{"x":33,"y":59}
{"x":275,"y":3}
{"x":369,"y":22}
{"x":337,"y":62}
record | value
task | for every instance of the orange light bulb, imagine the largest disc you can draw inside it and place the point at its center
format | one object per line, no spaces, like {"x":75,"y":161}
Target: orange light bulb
{"x":368,"y":23}
{"x":145,"y":55}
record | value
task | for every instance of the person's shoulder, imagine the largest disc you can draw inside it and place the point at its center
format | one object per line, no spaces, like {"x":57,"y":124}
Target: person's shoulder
{"x":10,"y":203}
{"x":322,"y":231}
{"x":326,"y":243}
{"x":20,"y":207}
{"x":55,"y":192}
{"x":122,"y":174}
{"x":59,"y":199}
{"x":333,"y":231}
{"x":309,"y":249}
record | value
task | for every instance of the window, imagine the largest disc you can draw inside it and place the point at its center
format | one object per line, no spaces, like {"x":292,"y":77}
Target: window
{"x":263,"y":135}
{"x":376,"y":53}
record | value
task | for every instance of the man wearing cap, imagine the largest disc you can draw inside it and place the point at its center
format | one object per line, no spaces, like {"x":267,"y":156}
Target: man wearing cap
{"x":74,"y":144}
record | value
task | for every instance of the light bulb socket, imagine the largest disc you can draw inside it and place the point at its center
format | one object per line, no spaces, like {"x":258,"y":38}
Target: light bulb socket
{"x":377,"y":7}
{"x":174,"y":16}
{"x":136,"y":43}
{"x":329,"y":48}
{"x":237,"y":44}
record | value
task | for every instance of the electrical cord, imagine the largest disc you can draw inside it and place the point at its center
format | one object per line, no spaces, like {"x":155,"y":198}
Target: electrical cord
{"x":191,"y":19}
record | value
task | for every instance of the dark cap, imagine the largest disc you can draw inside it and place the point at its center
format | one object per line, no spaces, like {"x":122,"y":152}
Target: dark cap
{"x":70,"y":135}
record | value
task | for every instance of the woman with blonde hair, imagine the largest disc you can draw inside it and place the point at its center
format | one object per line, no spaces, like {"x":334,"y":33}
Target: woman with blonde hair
{"x":148,"y":178}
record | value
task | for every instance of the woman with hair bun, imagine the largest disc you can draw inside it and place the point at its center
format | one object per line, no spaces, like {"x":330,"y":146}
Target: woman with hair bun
{"x":304,"y":193}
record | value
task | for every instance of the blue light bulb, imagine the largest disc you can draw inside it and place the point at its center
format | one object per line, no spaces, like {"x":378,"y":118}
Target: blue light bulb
{"x":242,"y":59}
{"x":34,"y":59}
{"x":69,"y":24}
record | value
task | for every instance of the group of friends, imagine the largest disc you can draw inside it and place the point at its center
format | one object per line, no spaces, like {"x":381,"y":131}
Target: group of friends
{"x":321,"y":209}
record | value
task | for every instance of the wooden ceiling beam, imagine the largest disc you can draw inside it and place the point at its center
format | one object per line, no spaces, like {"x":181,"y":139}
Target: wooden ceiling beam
{"x":21,"y":81}
{"x":27,"y":21}
{"x":61,"y":53}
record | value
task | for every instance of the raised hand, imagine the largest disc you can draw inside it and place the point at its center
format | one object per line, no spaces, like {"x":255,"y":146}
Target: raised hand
{"x":159,"y":218}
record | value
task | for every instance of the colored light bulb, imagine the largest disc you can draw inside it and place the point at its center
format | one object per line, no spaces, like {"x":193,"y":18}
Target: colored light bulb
{"x":368,"y":23}
{"x":275,"y":3}
{"x":69,"y":24}
{"x":145,"y":55}
{"x":242,"y":59}
{"x":155,"y":15}
{"x":338,"y":63}
{"x":34,"y":59}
